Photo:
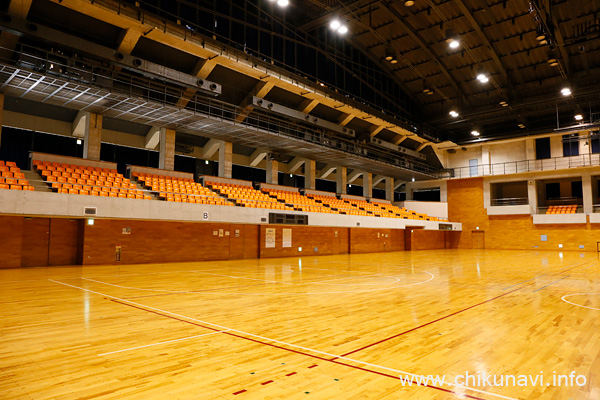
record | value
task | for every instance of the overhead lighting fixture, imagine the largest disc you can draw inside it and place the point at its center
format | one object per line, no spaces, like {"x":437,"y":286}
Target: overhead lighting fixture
{"x":394,"y":61}
{"x":206,"y":162}
{"x":540,"y":33}
{"x":453,"y":113}
{"x":504,"y":103}
{"x":283,"y":3}
{"x":452,"y":39}
{"x":552,"y":60}
{"x":566,"y":91}
{"x":522,"y":126}
{"x":475,"y":132}
{"x":413,"y":179}
{"x":337,"y":26}
{"x":79,"y":141}
{"x":482,"y":77}
{"x":578,"y":117}
{"x":389,"y":54}
{"x":409,"y":3}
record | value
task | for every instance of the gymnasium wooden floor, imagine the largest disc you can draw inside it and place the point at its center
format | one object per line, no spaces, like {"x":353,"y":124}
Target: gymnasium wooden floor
{"x":332,"y":327}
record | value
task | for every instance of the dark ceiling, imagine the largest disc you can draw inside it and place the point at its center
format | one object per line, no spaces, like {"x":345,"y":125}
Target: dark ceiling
{"x":497,"y":37}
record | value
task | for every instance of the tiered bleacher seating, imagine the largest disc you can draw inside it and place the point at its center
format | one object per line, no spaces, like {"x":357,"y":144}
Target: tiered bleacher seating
{"x":341,"y":206}
{"x":179,"y":190}
{"x":298,"y":201}
{"x":11,"y":177}
{"x":564,"y":209}
{"x":247,"y":196}
{"x":85,"y":180}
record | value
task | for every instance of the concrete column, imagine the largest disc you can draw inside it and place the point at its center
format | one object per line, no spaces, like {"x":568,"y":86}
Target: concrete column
{"x":341,"y":178}
{"x":530,"y":149}
{"x":532,"y":195}
{"x":367,"y":184}
{"x":272,"y":172}
{"x":310,"y":171}
{"x":1,"y":116}
{"x":92,"y":137}
{"x":225,"y":159}
{"x":588,"y":196}
{"x":166,"y":145}
{"x":485,"y":159}
{"x":389,"y":189}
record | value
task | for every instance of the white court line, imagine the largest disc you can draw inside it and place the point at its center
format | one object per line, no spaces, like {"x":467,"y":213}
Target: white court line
{"x":156,"y":344}
{"x":335,"y":356}
{"x":579,"y":305}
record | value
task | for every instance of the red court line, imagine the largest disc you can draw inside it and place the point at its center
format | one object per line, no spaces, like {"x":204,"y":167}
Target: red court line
{"x":444,"y":317}
{"x":267,"y":382}
{"x":240,"y":391}
{"x":312,"y":366}
{"x":294,"y":351}
{"x":291,"y":373}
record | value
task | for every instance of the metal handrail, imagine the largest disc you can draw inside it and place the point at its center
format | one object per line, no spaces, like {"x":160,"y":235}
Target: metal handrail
{"x":513,"y":167}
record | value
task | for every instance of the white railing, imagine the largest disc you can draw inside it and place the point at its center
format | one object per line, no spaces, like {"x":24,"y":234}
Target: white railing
{"x":513,"y":167}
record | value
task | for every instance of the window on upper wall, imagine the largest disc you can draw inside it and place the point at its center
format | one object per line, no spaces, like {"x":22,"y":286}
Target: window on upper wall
{"x":595,"y":143}
{"x":542,"y":148}
{"x":570,"y":145}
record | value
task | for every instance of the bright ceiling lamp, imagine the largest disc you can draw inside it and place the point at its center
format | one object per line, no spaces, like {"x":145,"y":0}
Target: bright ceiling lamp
{"x":475,"y":132}
{"x":337,"y":26}
{"x":452,"y":39}
{"x":283,"y":3}
{"x":409,"y":3}
{"x":453,"y":113}
{"x":578,"y":117}
{"x":482,"y":77}
{"x":566,"y":91}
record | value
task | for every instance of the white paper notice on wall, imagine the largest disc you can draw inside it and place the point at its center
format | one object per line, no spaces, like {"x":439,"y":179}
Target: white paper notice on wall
{"x":270,"y":238}
{"x":286,"y":240}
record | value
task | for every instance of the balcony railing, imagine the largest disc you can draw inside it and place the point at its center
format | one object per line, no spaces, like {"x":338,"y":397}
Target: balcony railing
{"x":513,"y":167}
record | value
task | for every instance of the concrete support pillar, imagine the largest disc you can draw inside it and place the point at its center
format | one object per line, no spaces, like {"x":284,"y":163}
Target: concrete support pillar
{"x":341,"y":177}
{"x":532,"y":195}
{"x":1,"y":116}
{"x":225,"y":159}
{"x":530,"y":149}
{"x":367,"y":184}
{"x":92,"y":137}
{"x":588,"y":196}
{"x":272,"y":172}
{"x":485,"y":159}
{"x":310,"y":171}
{"x":167,"y":149}
{"x":389,"y":189}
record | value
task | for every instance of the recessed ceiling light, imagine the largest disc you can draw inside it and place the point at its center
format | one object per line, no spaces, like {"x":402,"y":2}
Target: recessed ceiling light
{"x":475,"y":133}
{"x":78,"y":141}
{"x":454,"y":44}
{"x":578,"y":117}
{"x":483,"y":78}
{"x":453,"y":113}
{"x":566,"y":91}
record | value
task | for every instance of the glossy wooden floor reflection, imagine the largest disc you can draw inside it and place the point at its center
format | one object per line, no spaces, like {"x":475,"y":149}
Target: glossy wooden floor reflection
{"x":335,"y":327}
